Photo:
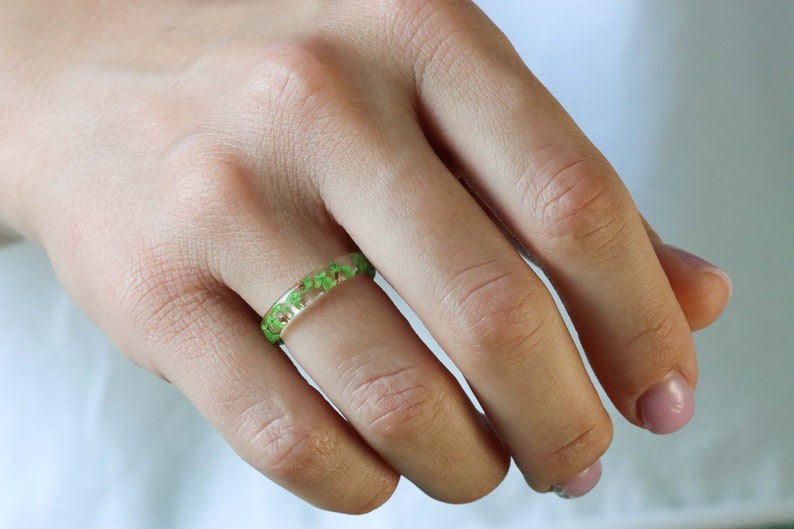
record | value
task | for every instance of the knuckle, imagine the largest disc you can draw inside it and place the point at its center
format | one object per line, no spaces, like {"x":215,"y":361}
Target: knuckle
{"x":579,"y":206}
{"x":370,"y":498}
{"x":581,"y":444}
{"x":419,"y":23}
{"x":430,"y":26}
{"x":656,"y":336}
{"x":289,"y":454}
{"x":400,"y":406}
{"x":498,"y":313}
{"x":432,"y":33}
{"x":206,"y":187}
{"x":510,"y":330}
{"x":415,"y":13}
{"x":295,"y":84}
{"x":303,"y":106}
{"x":212,"y":197}
{"x":310,"y":461}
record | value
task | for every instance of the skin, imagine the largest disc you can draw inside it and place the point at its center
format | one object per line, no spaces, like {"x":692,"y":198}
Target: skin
{"x":183,"y":163}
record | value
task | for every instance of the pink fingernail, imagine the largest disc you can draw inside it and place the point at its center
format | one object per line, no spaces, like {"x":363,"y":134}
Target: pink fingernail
{"x":668,"y":406}
{"x":581,"y":484}
{"x":704,"y":266}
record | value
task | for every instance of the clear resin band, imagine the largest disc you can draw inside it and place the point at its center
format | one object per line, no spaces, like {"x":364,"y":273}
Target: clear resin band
{"x":309,"y":289}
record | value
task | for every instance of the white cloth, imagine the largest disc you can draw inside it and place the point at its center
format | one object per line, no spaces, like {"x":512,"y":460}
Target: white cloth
{"x":693,"y":102}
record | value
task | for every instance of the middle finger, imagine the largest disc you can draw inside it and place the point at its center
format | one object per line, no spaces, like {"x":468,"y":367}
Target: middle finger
{"x":478,"y":298}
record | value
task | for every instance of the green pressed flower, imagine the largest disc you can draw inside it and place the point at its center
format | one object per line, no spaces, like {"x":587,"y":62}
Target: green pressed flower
{"x":295,"y":299}
{"x":322,"y":280}
{"x":270,"y":335}
{"x":340,"y":271}
{"x":308,"y":289}
{"x":362,"y":264}
{"x":278,"y":317}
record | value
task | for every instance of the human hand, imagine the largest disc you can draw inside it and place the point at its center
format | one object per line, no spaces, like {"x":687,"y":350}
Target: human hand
{"x":185,"y":164}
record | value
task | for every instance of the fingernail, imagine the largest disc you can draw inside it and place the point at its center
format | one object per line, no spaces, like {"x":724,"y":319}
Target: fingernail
{"x":704,"y":266}
{"x":668,"y":406}
{"x":581,"y":484}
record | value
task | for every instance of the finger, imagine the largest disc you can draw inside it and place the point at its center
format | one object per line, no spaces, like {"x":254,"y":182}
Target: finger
{"x":398,"y":396}
{"x":561,"y":198}
{"x":253,"y":395}
{"x":478,"y":298}
{"x":203,"y":337}
{"x":364,"y":356}
{"x":702,"y":289}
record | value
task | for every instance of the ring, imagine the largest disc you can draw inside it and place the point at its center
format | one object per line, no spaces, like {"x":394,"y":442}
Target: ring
{"x":309,"y":289}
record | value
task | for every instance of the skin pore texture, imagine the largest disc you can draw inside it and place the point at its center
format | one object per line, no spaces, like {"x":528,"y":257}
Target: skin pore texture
{"x":185,"y":163}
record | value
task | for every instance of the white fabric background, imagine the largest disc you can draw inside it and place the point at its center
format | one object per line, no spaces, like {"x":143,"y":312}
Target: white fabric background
{"x":693,"y":102}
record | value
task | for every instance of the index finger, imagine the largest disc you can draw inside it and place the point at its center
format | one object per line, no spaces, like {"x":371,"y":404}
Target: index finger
{"x":562,"y":200}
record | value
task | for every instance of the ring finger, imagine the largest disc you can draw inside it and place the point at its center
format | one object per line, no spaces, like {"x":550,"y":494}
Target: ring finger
{"x":365,"y":357}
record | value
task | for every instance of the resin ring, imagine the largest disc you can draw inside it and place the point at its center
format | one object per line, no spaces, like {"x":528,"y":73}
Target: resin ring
{"x":308,"y":289}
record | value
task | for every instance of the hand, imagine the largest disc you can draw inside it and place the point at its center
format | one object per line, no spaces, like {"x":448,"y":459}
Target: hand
{"x":184,"y":164}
